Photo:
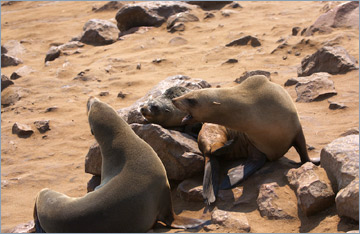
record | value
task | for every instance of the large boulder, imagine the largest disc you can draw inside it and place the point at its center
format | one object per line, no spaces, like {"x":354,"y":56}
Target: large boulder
{"x":315,"y":87}
{"x":347,"y":200}
{"x":340,"y":159}
{"x":99,"y":32}
{"x":147,"y":13}
{"x":313,"y":188}
{"x":344,"y":15}
{"x":132,"y":113}
{"x":334,"y":60}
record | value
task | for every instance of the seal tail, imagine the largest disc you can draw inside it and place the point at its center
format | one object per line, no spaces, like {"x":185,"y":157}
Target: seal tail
{"x":38,"y":228}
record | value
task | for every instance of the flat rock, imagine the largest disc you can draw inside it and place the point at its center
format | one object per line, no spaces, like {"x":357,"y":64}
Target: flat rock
{"x":10,"y":96}
{"x":8,"y":60}
{"x":344,"y":15}
{"x":5,"y":82}
{"x":177,"y":41}
{"x":178,"y":151}
{"x":70,"y":47}
{"x":42,"y":125}
{"x":271,"y":204}
{"x":93,"y":160}
{"x":110,"y":6}
{"x":340,"y":159}
{"x":315,"y":87}
{"x":254,"y":42}
{"x":147,"y":13}
{"x":333,"y":60}
{"x":22,"y":130}
{"x":336,"y":105}
{"x":132,"y":113}
{"x":14,"y":48}
{"x":178,"y":26}
{"x":191,"y":190}
{"x":181,"y":17}
{"x":347,"y":200}
{"x":28,"y":227}
{"x":231,"y":220}
{"x":313,"y":188}
{"x":99,"y":32}
{"x":247,"y":74}
{"x":210,"y":5}
{"x":22,"y":71}
{"x":93,"y":183}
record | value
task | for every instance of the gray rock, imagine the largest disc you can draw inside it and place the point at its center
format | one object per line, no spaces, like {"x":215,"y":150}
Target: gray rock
{"x":51,"y":109}
{"x":231,"y":61}
{"x":234,"y":5}
{"x":191,"y":190}
{"x":179,"y":26}
{"x":336,"y":106}
{"x":210,"y":5}
{"x":132,"y":113}
{"x":99,"y":32}
{"x":334,"y":60}
{"x":147,"y":14}
{"x":209,"y":15}
{"x":271,"y":205}
{"x":347,"y":200}
{"x":178,"y":151}
{"x":22,"y":130}
{"x":254,"y":42}
{"x":10,"y":96}
{"x":247,"y":74}
{"x":232,"y":220}
{"x":313,"y":188}
{"x":340,"y":159}
{"x":14,"y":48}
{"x":5,"y":82}
{"x":3,"y":50}
{"x":110,"y":6}
{"x":291,"y":81}
{"x":53,"y":53}
{"x":8,"y":60}
{"x":315,"y":87}
{"x":351,"y":131}
{"x":28,"y":227}
{"x":344,"y":15}
{"x":93,"y":160}
{"x":70,"y":47}
{"x":181,"y":17}
{"x":295,"y":30}
{"x":227,"y":13}
{"x":42,"y":125}
{"x":93,"y":183}
{"x":177,"y":41}
{"x":22,"y":71}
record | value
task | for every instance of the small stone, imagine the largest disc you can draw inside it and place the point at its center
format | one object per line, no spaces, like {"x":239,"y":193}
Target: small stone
{"x":336,"y":106}
{"x":121,"y":95}
{"x":177,"y":41}
{"x":138,"y":66}
{"x":232,"y":60}
{"x":22,"y":71}
{"x":291,"y":81}
{"x":284,"y":57}
{"x":8,"y":60}
{"x":93,"y":183}
{"x":158,"y":60}
{"x":104,"y":93}
{"x":297,"y":53}
{"x":52,"y":54}
{"x":51,"y":109}
{"x":247,"y":74}
{"x":179,"y":26}
{"x":209,"y":15}
{"x":232,"y":220}
{"x":295,"y":30}
{"x":93,"y":160}
{"x":254,"y":42}
{"x":234,"y":5}
{"x":227,"y":13}
{"x":22,"y":130}
{"x":42,"y":125}
{"x":5,"y":82}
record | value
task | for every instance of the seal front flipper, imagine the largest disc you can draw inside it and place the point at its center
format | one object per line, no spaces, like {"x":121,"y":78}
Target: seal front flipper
{"x":211,"y":179}
{"x":237,"y":174}
{"x":187,"y":223}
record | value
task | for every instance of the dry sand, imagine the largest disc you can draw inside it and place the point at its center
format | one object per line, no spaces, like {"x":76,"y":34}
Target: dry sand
{"x":57,"y":160}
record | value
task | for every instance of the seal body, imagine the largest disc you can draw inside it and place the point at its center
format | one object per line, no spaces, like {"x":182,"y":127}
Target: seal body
{"x":134,"y":192}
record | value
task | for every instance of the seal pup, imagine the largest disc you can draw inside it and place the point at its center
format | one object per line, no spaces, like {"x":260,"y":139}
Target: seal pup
{"x":260,"y":109}
{"x":134,"y":192}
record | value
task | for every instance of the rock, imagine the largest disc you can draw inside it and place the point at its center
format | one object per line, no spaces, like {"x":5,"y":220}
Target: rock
{"x":22,"y":71}
{"x":10,"y":96}
{"x":132,"y":113}
{"x":209,"y":15}
{"x":14,"y":48}
{"x":234,"y":5}
{"x":52,"y":54}
{"x":295,"y":30}
{"x":5,"y":82}
{"x":93,"y":160}
{"x":270,"y":204}
{"x":99,"y":32}
{"x":158,"y":60}
{"x":254,"y":42}
{"x":3,"y":50}
{"x":177,"y":41}
{"x":28,"y":227}
{"x":347,"y":200}
{"x":51,"y":109}
{"x":121,"y":95}
{"x":334,"y":60}
{"x":210,"y":5}
{"x":232,"y":220}
{"x":247,"y":74}
{"x":110,"y":6}
{"x":227,"y":13}
{"x":291,"y":81}
{"x":71,"y":45}
{"x":336,"y":106}
{"x":8,"y":60}
{"x":351,"y":131}
{"x":93,"y":183}
{"x":138,"y":66}
{"x":181,"y":17}
{"x":231,"y":61}
{"x":178,"y":151}
{"x":344,"y":15}
{"x":147,"y":14}
{"x":22,"y":130}
{"x":313,"y":188}
{"x":340,"y":159}
{"x":179,"y":26}
{"x":316,"y":87}
{"x":104,"y":93}
{"x":191,"y":190}
{"x":42,"y":125}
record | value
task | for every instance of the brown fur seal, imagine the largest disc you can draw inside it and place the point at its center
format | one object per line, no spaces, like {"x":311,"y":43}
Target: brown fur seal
{"x":260,"y":109}
{"x":134,"y":192}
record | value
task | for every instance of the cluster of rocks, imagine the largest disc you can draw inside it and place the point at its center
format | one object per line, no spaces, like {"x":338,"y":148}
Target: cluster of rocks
{"x":25,"y":131}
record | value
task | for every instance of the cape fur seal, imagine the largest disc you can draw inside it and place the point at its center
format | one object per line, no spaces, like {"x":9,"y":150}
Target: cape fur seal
{"x":134,"y":192}
{"x":260,"y":109}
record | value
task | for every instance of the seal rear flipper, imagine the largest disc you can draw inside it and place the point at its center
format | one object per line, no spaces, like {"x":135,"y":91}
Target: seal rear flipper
{"x":238,"y":174}
{"x":187,"y":223}
{"x":211,"y":180}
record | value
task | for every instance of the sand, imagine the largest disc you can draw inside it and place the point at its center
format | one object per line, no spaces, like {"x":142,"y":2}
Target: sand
{"x":55,"y":159}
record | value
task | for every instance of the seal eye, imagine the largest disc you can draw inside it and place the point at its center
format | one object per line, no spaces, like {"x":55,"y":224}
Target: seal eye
{"x":191,"y":101}
{"x":154,"y":108}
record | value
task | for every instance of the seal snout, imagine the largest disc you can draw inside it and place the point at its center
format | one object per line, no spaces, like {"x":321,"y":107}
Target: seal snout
{"x":90,"y":102}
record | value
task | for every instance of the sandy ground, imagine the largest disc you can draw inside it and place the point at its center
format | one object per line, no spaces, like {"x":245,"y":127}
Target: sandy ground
{"x":56,"y":159}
